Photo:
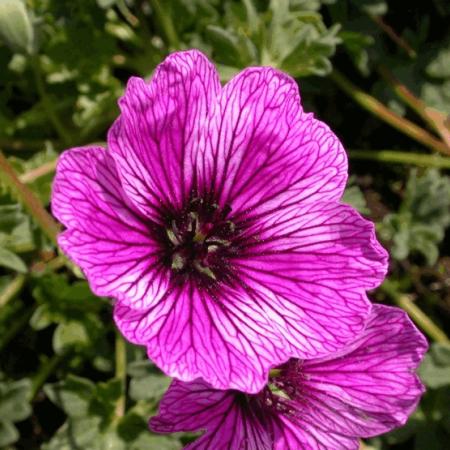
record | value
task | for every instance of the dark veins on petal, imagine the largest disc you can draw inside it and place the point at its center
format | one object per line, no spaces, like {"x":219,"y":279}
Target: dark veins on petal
{"x":197,"y":243}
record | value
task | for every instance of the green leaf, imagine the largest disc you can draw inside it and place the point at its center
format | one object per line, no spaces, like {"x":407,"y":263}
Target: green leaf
{"x":437,"y":95}
{"x":109,"y":392}
{"x":227,"y":45}
{"x":15,"y":229}
{"x":76,"y":434}
{"x":420,"y":223}
{"x":69,"y":335}
{"x":147,"y":382}
{"x":74,"y":309}
{"x":310,"y":54}
{"x":356,"y":45}
{"x":435,"y":368}
{"x":85,"y":431}
{"x":16,"y":29}
{"x":106,"y":3}
{"x":8,"y":433}
{"x":63,"y":298}
{"x":149,"y":387}
{"x":375,"y":7}
{"x":298,"y":41}
{"x":14,"y":407}
{"x":14,"y":404}
{"x":91,"y":424}
{"x":73,"y":395}
{"x":41,"y":318}
{"x":11,"y":261}
{"x":423,"y":243}
{"x":354,"y":197}
{"x":134,"y":433}
{"x":439,"y":67}
{"x":288,"y":35}
{"x":66,"y":302}
{"x":147,"y":440}
{"x":131,"y":433}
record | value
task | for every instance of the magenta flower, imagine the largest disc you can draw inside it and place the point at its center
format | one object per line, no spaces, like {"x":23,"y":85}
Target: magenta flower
{"x":327,"y":403}
{"x":213,"y":219}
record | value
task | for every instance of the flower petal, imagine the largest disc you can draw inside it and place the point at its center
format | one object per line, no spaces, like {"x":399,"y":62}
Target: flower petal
{"x":308,"y":267}
{"x":368,"y":389}
{"x":156,"y":137}
{"x":106,"y":235}
{"x":299,"y":292}
{"x":190,"y":333}
{"x":261,"y":148}
{"x":372,"y":388}
{"x":229,"y":423}
{"x":304,"y":434}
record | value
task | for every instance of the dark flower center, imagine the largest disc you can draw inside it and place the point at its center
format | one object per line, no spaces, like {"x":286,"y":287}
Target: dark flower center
{"x":282,"y":395}
{"x":199,"y":240}
{"x":283,"y":388}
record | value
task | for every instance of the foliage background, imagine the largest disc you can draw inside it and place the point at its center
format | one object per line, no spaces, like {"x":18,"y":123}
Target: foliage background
{"x":377,"y":71}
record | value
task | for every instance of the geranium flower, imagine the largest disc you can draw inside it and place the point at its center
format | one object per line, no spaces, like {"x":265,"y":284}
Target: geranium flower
{"x":213,"y":219}
{"x":364,"y":390}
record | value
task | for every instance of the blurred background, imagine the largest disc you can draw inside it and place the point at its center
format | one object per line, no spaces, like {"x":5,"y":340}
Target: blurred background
{"x":378,"y":72}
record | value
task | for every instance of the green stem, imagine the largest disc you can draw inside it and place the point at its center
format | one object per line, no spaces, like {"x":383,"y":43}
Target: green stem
{"x":394,"y":36}
{"x":46,"y":369}
{"x":424,"y":322}
{"x":34,"y":174}
{"x":416,"y":314}
{"x":434,"y":118}
{"x":28,"y":199}
{"x":13,"y":288}
{"x":165,"y":21}
{"x":402,"y":91}
{"x":392,"y":156}
{"x":379,"y":110}
{"x":56,"y":263}
{"x":121,"y":374}
{"x":252,"y":15}
{"x":46,"y":102}
{"x":129,"y":16}
{"x":40,"y":267}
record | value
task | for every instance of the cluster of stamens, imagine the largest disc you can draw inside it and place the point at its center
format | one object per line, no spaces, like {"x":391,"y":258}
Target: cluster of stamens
{"x":199,"y":239}
{"x":284,"y":385}
{"x":275,"y":398}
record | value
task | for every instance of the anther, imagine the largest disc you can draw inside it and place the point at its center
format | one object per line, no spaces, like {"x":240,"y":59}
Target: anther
{"x":274,"y":373}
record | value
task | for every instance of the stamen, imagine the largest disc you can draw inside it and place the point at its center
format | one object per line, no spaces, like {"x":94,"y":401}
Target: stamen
{"x":216,"y":241}
{"x":231,"y":226}
{"x":204,"y":270}
{"x":172,"y":237}
{"x":199,"y":240}
{"x":274,"y":373}
{"x":276,"y":390}
{"x":193,"y":220}
{"x":199,"y":237}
